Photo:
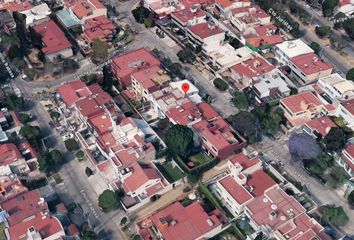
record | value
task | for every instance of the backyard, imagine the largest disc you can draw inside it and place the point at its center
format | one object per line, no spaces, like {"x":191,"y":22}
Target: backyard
{"x":2,"y":231}
{"x":171,"y":172}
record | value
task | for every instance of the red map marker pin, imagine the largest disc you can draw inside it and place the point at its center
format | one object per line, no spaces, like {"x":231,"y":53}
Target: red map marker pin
{"x":185,"y":87}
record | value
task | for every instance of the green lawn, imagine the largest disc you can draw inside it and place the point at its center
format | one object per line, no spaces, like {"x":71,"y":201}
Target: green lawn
{"x":200,"y":159}
{"x":2,"y":231}
{"x":174,"y":173}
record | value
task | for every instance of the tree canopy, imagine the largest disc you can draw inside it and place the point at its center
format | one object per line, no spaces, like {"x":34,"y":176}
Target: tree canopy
{"x":335,"y":139}
{"x":240,"y":100}
{"x":348,"y":26}
{"x":316,"y":47}
{"x":328,"y":7}
{"x":350,"y":74}
{"x":186,"y":55}
{"x":220,"y":84}
{"x":13,"y":102}
{"x":319,"y":165}
{"x":107,"y":82}
{"x":140,"y":13}
{"x":108,"y":201}
{"x":248,"y":125}
{"x":334,"y":215}
{"x":48,"y":160}
{"x":179,"y":140}
{"x":323,"y":31}
{"x":33,"y":135}
{"x":99,"y":50}
{"x":302,"y":146}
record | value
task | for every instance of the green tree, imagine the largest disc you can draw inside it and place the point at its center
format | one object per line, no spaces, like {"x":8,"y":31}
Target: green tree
{"x":48,"y":160}
{"x":351,"y":198}
{"x":271,"y":123}
{"x":319,"y":165}
{"x":240,"y":100}
{"x":337,"y":43}
{"x":339,"y":18}
{"x":179,"y":140}
{"x":316,"y":47}
{"x":99,"y":50}
{"x":348,"y":26}
{"x":70,"y":65}
{"x":54,"y":115}
{"x":89,"y":235}
{"x":13,"y":102}
{"x":220,"y":84}
{"x":36,"y":38}
{"x":71,"y":145}
{"x":24,"y":118}
{"x":108,"y":201}
{"x":328,"y":7}
{"x":107,"y":82}
{"x":20,"y":20}
{"x":334,"y":215}
{"x":323,"y":31}
{"x":335,"y":139}
{"x":336,"y":177}
{"x":149,"y":23}
{"x":186,"y":55}
{"x":140,"y":14}
{"x":248,"y":125}
{"x":14,"y":52}
{"x":350,"y":74}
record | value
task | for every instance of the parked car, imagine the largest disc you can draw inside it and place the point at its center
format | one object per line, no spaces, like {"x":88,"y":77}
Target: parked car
{"x":67,"y":136}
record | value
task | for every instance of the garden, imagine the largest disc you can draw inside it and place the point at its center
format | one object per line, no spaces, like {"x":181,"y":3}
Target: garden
{"x":171,"y":172}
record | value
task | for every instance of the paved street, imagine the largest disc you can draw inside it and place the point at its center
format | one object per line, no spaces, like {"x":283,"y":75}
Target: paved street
{"x":278,"y":151}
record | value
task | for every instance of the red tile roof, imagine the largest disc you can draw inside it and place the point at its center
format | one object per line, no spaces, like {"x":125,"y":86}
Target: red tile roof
{"x":186,"y":14}
{"x":207,"y":111}
{"x":10,"y":188}
{"x":98,"y":27}
{"x":203,"y":30}
{"x":310,"y":63}
{"x":43,"y":223}
{"x":256,"y":66}
{"x":349,"y":105}
{"x":244,"y":160}
{"x":259,"y":181}
{"x":9,"y":154}
{"x":101,"y":123}
{"x":237,"y":191}
{"x":145,"y":77}
{"x":88,"y":107}
{"x":301,"y":102}
{"x":68,"y":91}
{"x":265,"y":29}
{"x":23,"y":206}
{"x":224,"y":3}
{"x":53,"y":38}
{"x":322,"y":125}
{"x":17,"y":6}
{"x":184,"y":223}
{"x":265,"y":40}
{"x":83,"y":8}
{"x":184,"y":114}
{"x":133,"y":61}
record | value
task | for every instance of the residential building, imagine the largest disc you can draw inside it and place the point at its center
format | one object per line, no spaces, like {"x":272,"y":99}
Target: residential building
{"x":134,"y":61}
{"x":318,"y":128}
{"x":98,"y":27}
{"x":303,"y":107}
{"x":148,"y":81}
{"x":188,"y":17}
{"x":261,"y":38}
{"x":54,"y":40}
{"x":71,"y":92}
{"x":345,"y":110}
{"x":16,"y":5}
{"x":37,"y":14}
{"x":6,"y":19}
{"x":10,"y":185}
{"x":205,"y":33}
{"x":308,"y":68}
{"x":225,"y":7}
{"x":287,"y":50}
{"x":336,"y":87}
{"x":86,"y":9}
{"x":11,"y":156}
{"x":162,"y":9}
{"x":346,"y":159}
{"x":178,"y":222}
{"x":346,"y":7}
{"x":246,"y":18}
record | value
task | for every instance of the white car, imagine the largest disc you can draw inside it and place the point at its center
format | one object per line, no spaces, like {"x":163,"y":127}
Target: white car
{"x":67,"y":136}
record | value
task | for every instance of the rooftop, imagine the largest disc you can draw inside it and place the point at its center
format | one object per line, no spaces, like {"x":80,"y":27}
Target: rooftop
{"x":236,"y":190}
{"x":187,"y":223}
{"x":301,"y":102}
{"x":342,"y":85}
{"x":322,"y":125}
{"x":151,"y":77}
{"x":37,"y":13}
{"x":253,"y":67}
{"x":16,"y":5}
{"x":244,"y":160}
{"x":349,"y":105}
{"x":98,"y":27}
{"x":9,"y":154}
{"x":310,"y":63}
{"x":53,"y":38}
{"x":294,"y":48}
{"x":188,"y":14}
{"x":205,"y":30}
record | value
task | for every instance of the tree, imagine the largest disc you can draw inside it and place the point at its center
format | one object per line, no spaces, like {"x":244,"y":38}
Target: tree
{"x":108,"y":201}
{"x":337,"y":43}
{"x":336,"y":177}
{"x":319,"y":165}
{"x":140,"y":14}
{"x":14,"y":52}
{"x":107,"y":82}
{"x":271,"y":123}
{"x":33,"y":136}
{"x":20,"y":20}
{"x":323,"y":31}
{"x":99,"y":50}
{"x":350,"y":74}
{"x":316,"y":47}
{"x":179,"y":140}
{"x":235,"y":43}
{"x":48,"y":160}
{"x":248,"y":125}
{"x":13,"y":102}
{"x":328,"y":7}
{"x":293,"y":91}
{"x":220,"y":84}
{"x":54,"y":115}
{"x":149,"y":23}
{"x":302,"y":146}
{"x":70,"y":65}
{"x":240,"y":100}
{"x":335,"y":139}
{"x":24,"y":118}
{"x":339,"y":18}
{"x":89,"y":235}
{"x":35,"y":37}
{"x":186,"y":55}
{"x":334,"y":215}
{"x":71,"y":145}
{"x":348,"y":26}
{"x":351,"y":198}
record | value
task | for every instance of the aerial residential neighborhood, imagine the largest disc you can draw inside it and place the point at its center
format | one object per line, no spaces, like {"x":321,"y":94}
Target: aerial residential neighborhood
{"x":176,"y":119}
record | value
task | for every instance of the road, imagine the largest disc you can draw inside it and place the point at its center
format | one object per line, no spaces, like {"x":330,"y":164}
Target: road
{"x":278,"y":151}
{"x":76,"y":187}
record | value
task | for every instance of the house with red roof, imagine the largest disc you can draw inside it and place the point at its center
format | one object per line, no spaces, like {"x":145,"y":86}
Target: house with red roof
{"x":54,"y":40}
{"x":10,"y":186}
{"x":301,"y":108}
{"x":11,"y":157}
{"x":225,"y":7}
{"x":205,"y":33}
{"x":98,"y":27}
{"x":308,"y":68}
{"x":345,"y":110}
{"x":148,"y":81}
{"x":346,"y":159}
{"x":176,"y":222}
{"x":86,"y":9}
{"x":16,"y":5}
{"x":249,"y":17}
{"x":318,"y":128}
{"x":123,"y":66}
{"x":245,"y":181}
{"x":188,"y":17}
{"x":281,"y":216}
